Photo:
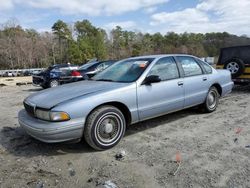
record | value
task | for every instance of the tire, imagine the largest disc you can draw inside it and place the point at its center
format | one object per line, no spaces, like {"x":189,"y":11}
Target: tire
{"x":235,"y":66}
{"x":100,"y":135}
{"x":53,"y":83}
{"x":212,"y":100}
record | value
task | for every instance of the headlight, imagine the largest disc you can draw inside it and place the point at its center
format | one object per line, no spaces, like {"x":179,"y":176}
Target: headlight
{"x":42,"y":114}
{"x":52,"y":116}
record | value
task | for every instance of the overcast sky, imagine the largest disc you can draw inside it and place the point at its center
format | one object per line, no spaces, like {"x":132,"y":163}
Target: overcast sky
{"x":137,"y":15}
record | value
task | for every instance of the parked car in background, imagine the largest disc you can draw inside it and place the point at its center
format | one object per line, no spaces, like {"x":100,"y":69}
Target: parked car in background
{"x":237,"y":60}
{"x":96,"y":68}
{"x":130,"y":91}
{"x":8,"y":74}
{"x":209,"y":60}
{"x":87,"y":71}
{"x":35,"y":72}
{"x":27,"y":73}
{"x":52,"y":76}
{"x":16,"y":73}
{"x":20,"y":72}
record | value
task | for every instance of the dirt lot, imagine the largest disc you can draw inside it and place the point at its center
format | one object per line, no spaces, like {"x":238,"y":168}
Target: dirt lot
{"x":212,"y":148}
{"x":11,"y":81}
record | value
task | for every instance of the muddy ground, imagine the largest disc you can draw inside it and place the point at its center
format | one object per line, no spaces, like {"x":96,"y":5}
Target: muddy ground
{"x":212,"y":148}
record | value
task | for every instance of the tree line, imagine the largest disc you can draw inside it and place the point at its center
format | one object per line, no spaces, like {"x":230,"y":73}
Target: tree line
{"x":77,"y":43}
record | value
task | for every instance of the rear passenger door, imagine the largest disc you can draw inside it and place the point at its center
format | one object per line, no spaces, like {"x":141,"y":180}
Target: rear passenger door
{"x":196,"y":82}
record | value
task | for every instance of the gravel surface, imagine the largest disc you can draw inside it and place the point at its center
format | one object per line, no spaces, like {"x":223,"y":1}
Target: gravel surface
{"x":210,"y":150}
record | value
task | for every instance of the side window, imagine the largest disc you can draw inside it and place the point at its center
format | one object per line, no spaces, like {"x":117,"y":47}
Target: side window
{"x":55,"y":69}
{"x":107,"y":64}
{"x":100,"y":67}
{"x":207,"y":67}
{"x":93,"y":67}
{"x":64,"y":69}
{"x":165,"y":68}
{"x":190,"y":66}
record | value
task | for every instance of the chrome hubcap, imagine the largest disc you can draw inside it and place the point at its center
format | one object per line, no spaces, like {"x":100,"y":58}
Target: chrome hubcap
{"x":211,"y":99}
{"x":109,"y":128}
{"x":233,"y":67}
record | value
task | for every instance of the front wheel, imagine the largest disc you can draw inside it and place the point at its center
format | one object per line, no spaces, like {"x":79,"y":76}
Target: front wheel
{"x":104,"y":127}
{"x":44,"y":86}
{"x":212,"y":100}
{"x":54,"y":83}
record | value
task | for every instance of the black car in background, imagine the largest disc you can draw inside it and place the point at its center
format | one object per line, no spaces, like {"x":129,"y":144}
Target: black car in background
{"x":88,"y":70}
{"x":92,"y":69}
{"x":53,"y":76}
{"x":66,"y":73}
{"x":236,"y":59}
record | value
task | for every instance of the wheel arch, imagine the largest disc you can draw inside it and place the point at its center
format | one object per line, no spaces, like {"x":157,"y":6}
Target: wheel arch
{"x":232,"y":59}
{"x":218,"y":87}
{"x":121,"y":106}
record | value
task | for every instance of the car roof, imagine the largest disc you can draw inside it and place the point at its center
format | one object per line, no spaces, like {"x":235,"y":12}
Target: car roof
{"x":108,"y":60}
{"x":63,"y":65}
{"x":159,"y":56}
{"x":98,"y":62}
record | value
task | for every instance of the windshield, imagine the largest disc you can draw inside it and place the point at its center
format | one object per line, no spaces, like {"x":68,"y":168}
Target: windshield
{"x":124,"y":71}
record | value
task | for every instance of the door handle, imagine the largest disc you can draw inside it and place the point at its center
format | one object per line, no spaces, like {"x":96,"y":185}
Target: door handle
{"x":204,"y":78}
{"x":180,"y":83}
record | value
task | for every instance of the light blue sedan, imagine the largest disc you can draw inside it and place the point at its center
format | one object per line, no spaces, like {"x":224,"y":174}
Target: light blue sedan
{"x":130,"y":91}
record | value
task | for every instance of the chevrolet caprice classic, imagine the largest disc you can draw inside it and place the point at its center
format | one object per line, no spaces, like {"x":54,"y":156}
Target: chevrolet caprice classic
{"x":130,"y":91}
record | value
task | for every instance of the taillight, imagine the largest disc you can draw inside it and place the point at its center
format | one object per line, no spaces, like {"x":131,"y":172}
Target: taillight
{"x":75,"y":73}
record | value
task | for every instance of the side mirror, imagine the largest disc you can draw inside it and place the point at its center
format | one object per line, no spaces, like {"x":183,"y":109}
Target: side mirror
{"x":151,"y":79}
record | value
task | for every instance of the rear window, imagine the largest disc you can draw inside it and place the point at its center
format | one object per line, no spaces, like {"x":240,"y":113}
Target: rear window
{"x":207,"y":67}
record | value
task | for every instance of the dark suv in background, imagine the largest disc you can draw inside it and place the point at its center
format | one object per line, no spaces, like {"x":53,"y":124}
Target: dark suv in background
{"x":237,"y":60}
{"x":53,"y":75}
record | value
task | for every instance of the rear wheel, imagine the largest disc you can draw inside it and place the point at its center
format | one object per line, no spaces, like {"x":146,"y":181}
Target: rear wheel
{"x":212,"y":100}
{"x":104,"y":127}
{"x":235,"y":66}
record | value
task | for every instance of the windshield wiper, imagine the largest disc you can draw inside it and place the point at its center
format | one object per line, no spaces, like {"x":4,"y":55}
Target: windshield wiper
{"x":105,"y":80}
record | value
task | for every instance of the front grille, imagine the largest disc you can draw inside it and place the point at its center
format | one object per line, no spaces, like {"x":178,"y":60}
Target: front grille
{"x":30,"y":109}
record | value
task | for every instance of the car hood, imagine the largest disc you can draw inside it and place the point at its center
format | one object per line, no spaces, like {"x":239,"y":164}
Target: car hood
{"x":51,"y":97}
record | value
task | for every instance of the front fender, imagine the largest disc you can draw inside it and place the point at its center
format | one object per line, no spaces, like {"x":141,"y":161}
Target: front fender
{"x":82,"y":106}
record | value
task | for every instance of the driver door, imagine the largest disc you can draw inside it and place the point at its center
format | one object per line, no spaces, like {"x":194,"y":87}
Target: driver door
{"x":165,"y":96}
